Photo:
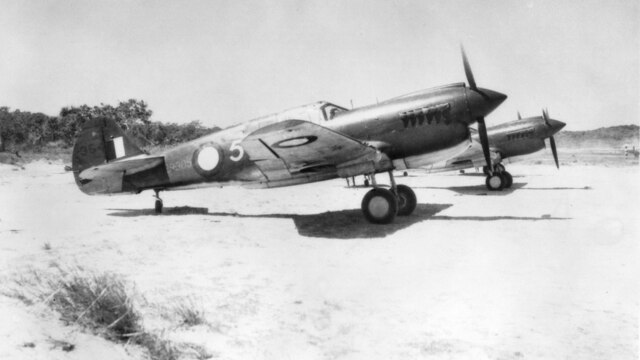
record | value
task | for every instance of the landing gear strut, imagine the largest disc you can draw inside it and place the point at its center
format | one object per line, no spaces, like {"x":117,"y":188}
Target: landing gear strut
{"x":158,"y":201}
{"x":381,"y":205}
{"x":499,"y":179}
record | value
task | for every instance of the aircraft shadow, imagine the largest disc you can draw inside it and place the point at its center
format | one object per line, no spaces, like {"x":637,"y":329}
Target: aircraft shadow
{"x":482,"y":189}
{"x":475,"y":174}
{"x":167,"y":211}
{"x":344,"y":224}
{"x":496,"y":218}
{"x":476,"y":189}
{"x":559,"y":188}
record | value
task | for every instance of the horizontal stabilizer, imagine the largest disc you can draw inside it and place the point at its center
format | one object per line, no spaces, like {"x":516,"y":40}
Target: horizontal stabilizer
{"x":128,"y":166}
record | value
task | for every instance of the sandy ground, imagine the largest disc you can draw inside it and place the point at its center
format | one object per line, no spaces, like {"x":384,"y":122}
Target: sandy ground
{"x":546,"y":270}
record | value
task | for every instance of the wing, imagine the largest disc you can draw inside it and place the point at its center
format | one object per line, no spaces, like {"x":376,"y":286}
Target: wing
{"x":472,"y":157}
{"x":300,"y":149}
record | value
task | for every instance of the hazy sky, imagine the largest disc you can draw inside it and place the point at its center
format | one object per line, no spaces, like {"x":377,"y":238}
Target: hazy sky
{"x":223,"y":62}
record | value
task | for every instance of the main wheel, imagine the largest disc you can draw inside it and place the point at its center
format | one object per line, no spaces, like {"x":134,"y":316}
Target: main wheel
{"x":508,"y":179}
{"x":379,"y":206}
{"x":158,"y":206}
{"x":495,"y":182}
{"x":406,"y":200}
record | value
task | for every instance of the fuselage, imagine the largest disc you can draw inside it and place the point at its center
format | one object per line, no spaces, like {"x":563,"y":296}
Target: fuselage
{"x":426,"y":122}
{"x":511,"y":139}
{"x":522,"y":137}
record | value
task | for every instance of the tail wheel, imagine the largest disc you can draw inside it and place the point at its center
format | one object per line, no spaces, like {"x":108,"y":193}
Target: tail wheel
{"x":379,"y":206}
{"x":508,"y":179}
{"x":158,"y":206}
{"x":406,"y":200}
{"x":495,"y":182}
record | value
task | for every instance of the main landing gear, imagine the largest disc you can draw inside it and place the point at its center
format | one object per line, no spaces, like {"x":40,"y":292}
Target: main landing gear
{"x":381,"y":205}
{"x":158,"y":201}
{"x":499,"y":179}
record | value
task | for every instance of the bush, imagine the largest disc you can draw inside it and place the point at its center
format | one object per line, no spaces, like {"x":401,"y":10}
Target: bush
{"x":23,"y":130}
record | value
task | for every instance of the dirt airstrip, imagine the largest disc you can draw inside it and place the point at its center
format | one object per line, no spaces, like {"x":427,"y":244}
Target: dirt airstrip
{"x":547,"y":269}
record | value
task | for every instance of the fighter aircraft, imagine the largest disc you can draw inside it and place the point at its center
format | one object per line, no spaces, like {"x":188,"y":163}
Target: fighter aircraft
{"x":631,"y":150}
{"x":314,"y":142}
{"x":515,"y":138}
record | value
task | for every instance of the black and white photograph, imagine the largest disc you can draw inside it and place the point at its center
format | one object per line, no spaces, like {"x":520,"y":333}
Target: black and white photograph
{"x":323,"y":180}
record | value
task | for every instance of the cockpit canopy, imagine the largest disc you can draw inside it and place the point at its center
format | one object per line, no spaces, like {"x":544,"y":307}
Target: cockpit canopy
{"x":317,"y":112}
{"x":330,"y":110}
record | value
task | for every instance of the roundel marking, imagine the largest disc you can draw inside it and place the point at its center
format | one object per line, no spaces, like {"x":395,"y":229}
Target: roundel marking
{"x":297,"y":141}
{"x":207,"y":159}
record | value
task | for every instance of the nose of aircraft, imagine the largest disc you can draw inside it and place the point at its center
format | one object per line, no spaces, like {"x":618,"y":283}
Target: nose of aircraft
{"x":556,"y":125}
{"x":492,"y":99}
{"x":483,"y":101}
{"x":553,"y":126}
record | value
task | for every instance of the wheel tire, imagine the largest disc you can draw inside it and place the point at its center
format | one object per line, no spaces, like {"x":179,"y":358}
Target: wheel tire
{"x":495,"y":182}
{"x":405,"y":174}
{"x":379,"y":206}
{"x":406,"y":200}
{"x":508,"y":179}
{"x":158,"y":206}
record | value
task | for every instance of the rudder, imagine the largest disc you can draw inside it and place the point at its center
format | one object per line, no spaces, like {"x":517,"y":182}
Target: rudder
{"x":101,"y":141}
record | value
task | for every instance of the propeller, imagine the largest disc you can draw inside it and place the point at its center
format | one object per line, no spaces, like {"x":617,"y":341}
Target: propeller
{"x":552,"y":141}
{"x":545,"y":116}
{"x":467,"y":70}
{"x":554,"y":151}
{"x":482,"y":127}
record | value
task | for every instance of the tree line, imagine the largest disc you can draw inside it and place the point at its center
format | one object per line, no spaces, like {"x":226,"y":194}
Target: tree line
{"x":23,"y":130}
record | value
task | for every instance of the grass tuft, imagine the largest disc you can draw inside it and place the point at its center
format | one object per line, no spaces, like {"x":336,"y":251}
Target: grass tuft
{"x":103,"y":303}
{"x":190,"y":314}
{"x":159,"y":348}
{"x":100,"y":302}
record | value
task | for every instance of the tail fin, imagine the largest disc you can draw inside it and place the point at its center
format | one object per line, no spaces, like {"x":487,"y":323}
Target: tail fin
{"x":100,"y":142}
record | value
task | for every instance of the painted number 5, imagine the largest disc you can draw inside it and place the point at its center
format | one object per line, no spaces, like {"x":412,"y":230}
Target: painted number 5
{"x":235,"y":146}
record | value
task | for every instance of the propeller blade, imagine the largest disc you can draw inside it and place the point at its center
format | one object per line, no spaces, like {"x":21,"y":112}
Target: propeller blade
{"x":467,"y":70}
{"x":554,"y":151}
{"x":484,"y":140}
{"x":519,"y":117}
{"x":545,"y":116}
